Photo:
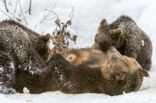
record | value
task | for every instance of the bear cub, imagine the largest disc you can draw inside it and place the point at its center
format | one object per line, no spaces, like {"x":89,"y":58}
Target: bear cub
{"x":127,"y":37}
{"x":94,"y":71}
{"x":28,"y":48}
{"x":23,"y":50}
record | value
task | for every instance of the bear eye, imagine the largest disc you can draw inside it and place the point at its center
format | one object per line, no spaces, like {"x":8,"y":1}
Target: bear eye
{"x":71,"y":57}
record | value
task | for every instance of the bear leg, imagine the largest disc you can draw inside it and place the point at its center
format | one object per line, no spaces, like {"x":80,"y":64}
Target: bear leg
{"x":62,"y":70}
{"x":7,"y":73}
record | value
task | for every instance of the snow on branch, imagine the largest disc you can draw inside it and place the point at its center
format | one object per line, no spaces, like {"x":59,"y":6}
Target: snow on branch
{"x":17,"y":14}
{"x":61,"y":36}
{"x":5,"y":5}
{"x":30,"y":2}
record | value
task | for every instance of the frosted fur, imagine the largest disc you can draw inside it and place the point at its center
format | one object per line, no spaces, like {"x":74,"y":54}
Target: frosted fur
{"x":127,"y":37}
{"x":16,"y":40}
{"x":7,"y":71}
{"x":23,"y":44}
{"x":23,"y":50}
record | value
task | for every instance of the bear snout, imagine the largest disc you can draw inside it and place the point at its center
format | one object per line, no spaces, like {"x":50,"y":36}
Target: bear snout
{"x":111,"y":48}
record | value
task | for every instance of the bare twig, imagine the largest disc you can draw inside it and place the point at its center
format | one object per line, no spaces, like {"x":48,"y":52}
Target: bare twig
{"x":71,"y":15}
{"x":35,"y":27}
{"x":5,"y":5}
{"x":15,"y":8}
{"x":44,"y":18}
{"x":30,"y":7}
{"x":21,"y":10}
{"x":49,"y":12}
{"x":56,"y":16}
{"x":11,"y":16}
{"x":7,"y":14}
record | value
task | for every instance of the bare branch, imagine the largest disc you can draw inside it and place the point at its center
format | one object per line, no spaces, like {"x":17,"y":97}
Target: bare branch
{"x":35,"y":27}
{"x":7,"y":14}
{"x":56,"y":16}
{"x":60,"y":36}
{"x":5,"y":5}
{"x":11,"y":17}
{"x":49,"y":12}
{"x":30,"y":7}
{"x":15,"y":8}
{"x":71,"y":15}
{"x":21,"y":10}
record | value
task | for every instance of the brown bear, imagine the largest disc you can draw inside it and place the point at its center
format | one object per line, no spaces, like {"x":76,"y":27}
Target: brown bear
{"x":36,"y":83}
{"x":29,"y":49}
{"x":26,"y":50}
{"x":11,"y":30}
{"x":14,"y":79}
{"x":127,"y":37}
{"x":94,"y":71}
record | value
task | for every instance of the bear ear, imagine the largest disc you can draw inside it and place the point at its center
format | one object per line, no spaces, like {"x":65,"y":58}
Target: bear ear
{"x":145,"y":73}
{"x":119,"y":76}
{"x":104,"y":22}
{"x":117,"y":32}
{"x":46,"y":37}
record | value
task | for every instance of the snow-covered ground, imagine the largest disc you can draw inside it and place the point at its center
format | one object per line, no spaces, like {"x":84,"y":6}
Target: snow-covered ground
{"x":87,"y":15}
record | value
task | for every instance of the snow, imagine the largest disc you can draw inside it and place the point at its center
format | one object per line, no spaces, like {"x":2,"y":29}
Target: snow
{"x":26,"y":90}
{"x":1,"y":69}
{"x":87,"y":15}
{"x":142,"y":42}
{"x":12,"y":65}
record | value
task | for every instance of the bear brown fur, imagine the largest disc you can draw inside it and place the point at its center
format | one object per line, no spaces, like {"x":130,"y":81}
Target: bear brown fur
{"x":7,"y":68}
{"x":94,"y":71}
{"x":38,"y":42}
{"x":26,"y":50}
{"x":14,"y":79}
{"x":36,"y":83}
{"x":127,"y":37}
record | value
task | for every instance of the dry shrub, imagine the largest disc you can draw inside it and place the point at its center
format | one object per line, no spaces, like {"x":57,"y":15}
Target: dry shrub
{"x":61,"y":37}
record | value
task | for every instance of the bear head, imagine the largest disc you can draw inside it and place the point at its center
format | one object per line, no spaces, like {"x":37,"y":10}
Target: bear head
{"x":106,"y":36}
{"x":43,"y":47}
{"x":87,"y":57}
{"x":123,"y":68}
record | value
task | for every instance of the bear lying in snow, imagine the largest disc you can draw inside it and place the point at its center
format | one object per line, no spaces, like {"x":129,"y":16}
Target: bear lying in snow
{"x":94,"y":71}
{"x":127,"y":37}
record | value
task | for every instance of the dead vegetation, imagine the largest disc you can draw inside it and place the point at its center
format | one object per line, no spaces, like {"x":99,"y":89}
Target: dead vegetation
{"x":61,"y":37}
